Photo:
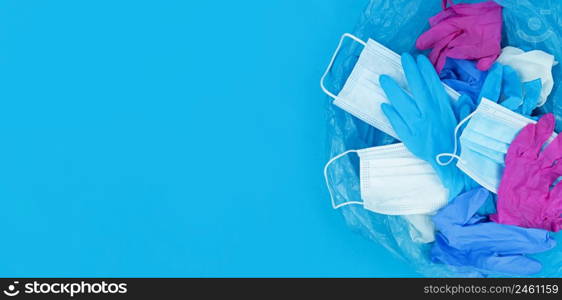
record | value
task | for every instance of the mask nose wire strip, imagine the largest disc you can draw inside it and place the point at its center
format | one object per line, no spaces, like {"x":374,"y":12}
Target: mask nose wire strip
{"x":455,"y":147}
{"x":334,"y":58}
{"x":334,"y":206}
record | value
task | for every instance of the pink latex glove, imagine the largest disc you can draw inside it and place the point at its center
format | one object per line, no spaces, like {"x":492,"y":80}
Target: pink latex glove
{"x":525,"y":196}
{"x":464,"y":31}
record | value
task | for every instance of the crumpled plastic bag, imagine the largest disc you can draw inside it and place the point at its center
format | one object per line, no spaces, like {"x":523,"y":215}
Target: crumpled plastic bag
{"x":396,"y":24}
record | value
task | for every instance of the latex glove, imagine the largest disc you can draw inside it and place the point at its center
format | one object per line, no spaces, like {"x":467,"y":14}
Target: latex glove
{"x":485,"y":261}
{"x":468,"y":239}
{"x":464,"y":31}
{"x":463,"y":76}
{"x":504,"y":87}
{"x":531,"y":65}
{"x":424,"y":119}
{"x":525,"y":195}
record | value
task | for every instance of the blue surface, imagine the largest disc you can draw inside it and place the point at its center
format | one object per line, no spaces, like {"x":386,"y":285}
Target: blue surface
{"x":171,"y":138}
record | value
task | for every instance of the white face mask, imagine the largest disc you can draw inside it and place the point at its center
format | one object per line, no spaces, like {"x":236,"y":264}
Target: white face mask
{"x":485,"y":141}
{"x":531,"y":65}
{"x":362,"y":95}
{"x":394,"y":182}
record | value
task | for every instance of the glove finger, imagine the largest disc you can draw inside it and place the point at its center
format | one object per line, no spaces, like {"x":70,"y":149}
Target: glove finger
{"x":555,"y":204}
{"x":532,"y":93}
{"x":552,"y":153}
{"x":416,"y":84}
{"x":463,"y":107}
{"x":551,"y":172}
{"x":396,"y":121}
{"x":551,"y":157}
{"x":511,"y":84}
{"x":437,"y":96}
{"x":440,"y":52}
{"x":552,"y":215}
{"x":531,"y":138}
{"x":401,"y":101}
{"x":441,"y":62}
{"x":459,"y":48}
{"x":491,"y":88}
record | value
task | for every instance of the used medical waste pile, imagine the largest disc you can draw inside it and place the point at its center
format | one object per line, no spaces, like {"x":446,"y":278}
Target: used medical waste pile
{"x":448,"y":154}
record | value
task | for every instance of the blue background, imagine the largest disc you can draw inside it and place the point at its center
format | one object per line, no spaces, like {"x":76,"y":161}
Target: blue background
{"x":171,"y":138}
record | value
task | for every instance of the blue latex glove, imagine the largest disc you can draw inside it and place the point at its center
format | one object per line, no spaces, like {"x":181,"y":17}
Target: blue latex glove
{"x":504,"y":87}
{"x":532,"y":94}
{"x":468,"y":239}
{"x":424,"y":119}
{"x":463,"y":76}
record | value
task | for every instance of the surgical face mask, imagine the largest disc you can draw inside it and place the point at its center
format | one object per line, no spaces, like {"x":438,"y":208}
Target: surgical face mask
{"x":484,"y":142}
{"x":362,"y":95}
{"x":394,"y":182}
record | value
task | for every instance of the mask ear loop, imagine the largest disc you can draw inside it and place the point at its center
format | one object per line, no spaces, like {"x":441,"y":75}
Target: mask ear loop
{"x":453,"y":155}
{"x":334,"y":206}
{"x":334,"y":58}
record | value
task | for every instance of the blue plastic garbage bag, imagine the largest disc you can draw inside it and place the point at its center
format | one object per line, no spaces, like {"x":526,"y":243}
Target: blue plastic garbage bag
{"x":396,"y":24}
